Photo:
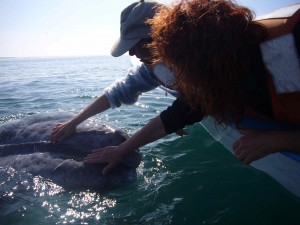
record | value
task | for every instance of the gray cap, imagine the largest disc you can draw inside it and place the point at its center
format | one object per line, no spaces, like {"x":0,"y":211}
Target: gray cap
{"x":133,"y":25}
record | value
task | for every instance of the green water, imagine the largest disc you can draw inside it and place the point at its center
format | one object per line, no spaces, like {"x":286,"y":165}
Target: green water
{"x":188,"y":181}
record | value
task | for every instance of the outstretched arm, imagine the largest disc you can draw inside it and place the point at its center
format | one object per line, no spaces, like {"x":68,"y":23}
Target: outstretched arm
{"x":257,"y":144}
{"x":125,"y":91}
{"x":169,"y":121}
{"x":112,"y":155}
{"x":63,"y":130}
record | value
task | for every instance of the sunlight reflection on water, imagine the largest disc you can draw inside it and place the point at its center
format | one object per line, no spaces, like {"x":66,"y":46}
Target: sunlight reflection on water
{"x":176,"y":174}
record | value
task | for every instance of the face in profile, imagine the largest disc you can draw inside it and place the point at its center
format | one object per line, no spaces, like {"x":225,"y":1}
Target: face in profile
{"x":142,"y":51}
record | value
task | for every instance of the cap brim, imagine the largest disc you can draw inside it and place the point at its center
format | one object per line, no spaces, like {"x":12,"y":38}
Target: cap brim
{"x":122,"y":46}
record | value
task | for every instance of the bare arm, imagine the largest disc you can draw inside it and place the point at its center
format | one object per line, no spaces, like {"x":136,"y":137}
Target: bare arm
{"x":112,"y":155}
{"x":257,"y":144}
{"x":62,"y":131}
{"x":99,"y":105}
{"x":152,"y":131}
{"x":125,"y":91}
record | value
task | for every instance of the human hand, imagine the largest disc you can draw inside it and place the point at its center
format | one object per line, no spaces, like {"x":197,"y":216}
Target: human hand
{"x":110,"y":155}
{"x":254,"y":145}
{"x":62,"y":131}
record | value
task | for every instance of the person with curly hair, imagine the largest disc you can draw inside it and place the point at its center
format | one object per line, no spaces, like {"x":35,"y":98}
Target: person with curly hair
{"x":213,"y":48}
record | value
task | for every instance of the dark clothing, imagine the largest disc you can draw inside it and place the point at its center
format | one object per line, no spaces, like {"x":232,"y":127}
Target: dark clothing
{"x":178,"y":115}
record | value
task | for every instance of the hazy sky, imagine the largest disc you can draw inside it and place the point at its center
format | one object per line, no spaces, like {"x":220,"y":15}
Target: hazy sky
{"x":73,"y":27}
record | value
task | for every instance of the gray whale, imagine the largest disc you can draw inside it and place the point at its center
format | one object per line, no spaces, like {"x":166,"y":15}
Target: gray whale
{"x":25,"y":146}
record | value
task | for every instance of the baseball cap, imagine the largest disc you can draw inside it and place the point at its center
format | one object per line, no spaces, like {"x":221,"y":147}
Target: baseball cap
{"x":133,"y":25}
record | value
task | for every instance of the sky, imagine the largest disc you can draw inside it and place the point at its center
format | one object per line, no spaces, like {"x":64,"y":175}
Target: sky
{"x":30,"y":28}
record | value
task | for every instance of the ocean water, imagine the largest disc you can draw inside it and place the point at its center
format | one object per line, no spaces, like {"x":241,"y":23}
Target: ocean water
{"x":186,"y":181}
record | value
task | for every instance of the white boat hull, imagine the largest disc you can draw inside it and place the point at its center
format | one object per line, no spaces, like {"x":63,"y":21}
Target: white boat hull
{"x":282,"y":168}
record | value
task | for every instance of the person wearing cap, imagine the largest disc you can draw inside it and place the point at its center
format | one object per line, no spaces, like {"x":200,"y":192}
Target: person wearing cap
{"x":134,"y":35}
{"x":135,"y":38}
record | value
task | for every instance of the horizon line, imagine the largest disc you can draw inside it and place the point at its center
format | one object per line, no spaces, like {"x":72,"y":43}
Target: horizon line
{"x":59,"y":56}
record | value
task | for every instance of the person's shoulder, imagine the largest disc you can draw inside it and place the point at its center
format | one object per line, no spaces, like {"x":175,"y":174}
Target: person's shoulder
{"x":143,"y":68}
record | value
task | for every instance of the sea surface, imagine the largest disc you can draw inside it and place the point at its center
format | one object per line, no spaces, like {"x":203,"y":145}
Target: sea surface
{"x":189,"y":180}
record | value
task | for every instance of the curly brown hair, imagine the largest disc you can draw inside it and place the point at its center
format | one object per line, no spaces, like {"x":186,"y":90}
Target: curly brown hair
{"x":205,"y":43}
